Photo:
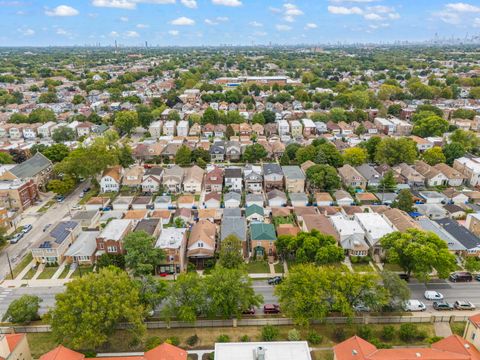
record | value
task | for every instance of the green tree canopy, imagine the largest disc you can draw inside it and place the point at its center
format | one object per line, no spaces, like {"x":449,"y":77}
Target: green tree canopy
{"x":183,"y":157}
{"x":419,"y":253}
{"x":231,"y":253}
{"x":453,"y":151}
{"x":62,"y":134}
{"x":388,"y":182}
{"x":355,"y":156}
{"x":393,"y":151}
{"x":430,"y":126}
{"x":23,"y":310}
{"x":91,"y":307}
{"x":404,"y":201}
{"x":142,"y":257}
{"x":323,"y":177}
{"x":434,"y":156}
{"x":6,"y":158}
{"x":467,"y":138}
{"x":254,"y":153}
{"x":126,"y":121}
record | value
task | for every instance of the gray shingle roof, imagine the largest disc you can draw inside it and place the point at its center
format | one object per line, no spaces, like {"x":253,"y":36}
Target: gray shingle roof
{"x":460,"y":233}
{"x":234,"y":225}
{"x":293,"y":172}
{"x":31,"y":167}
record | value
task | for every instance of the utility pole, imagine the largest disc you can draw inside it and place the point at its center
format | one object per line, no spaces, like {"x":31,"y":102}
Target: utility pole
{"x":10,"y":266}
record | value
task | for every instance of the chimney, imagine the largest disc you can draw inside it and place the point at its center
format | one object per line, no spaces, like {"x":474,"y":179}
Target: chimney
{"x":260,"y":353}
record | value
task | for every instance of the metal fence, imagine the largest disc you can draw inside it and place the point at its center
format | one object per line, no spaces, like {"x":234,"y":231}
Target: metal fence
{"x":262,"y":322}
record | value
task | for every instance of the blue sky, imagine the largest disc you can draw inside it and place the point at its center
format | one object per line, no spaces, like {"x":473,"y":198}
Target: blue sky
{"x":235,"y":22}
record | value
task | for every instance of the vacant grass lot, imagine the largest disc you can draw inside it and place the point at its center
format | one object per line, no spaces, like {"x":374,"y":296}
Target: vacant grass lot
{"x":258,"y":267}
{"x":120,"y":342}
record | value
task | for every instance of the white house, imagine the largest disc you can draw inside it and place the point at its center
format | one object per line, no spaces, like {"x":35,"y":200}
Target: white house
{"x":283,"y":127}
{"x":182,"y":128}
{"x":374,"y":225}
{"x":296,"y":128}
{"x":155,"y":129}
{"x":45,"y":129}
{"x":352,"y":235}
{"x":169,"y":128}
{"x":111,"y":179}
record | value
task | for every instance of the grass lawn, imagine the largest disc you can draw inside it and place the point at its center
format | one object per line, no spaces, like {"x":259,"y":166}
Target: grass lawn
{"x":84,"y":269}
{"x":88,"y":196}
{"x":21,"y":265}
{"x":48,"y":272}
{"x":197,"y":197}
{"x":458,"y":328}
{"x":46,"y":206}
{"x":362,"y":268}
{"x":279,"y":268}
{"x":258,"y":267}
{"x":29,"y":274}
{"x":64,"y":273}
{"x":121,"y":340}
{"x":322,"y":355}
{"x":392,"y":267}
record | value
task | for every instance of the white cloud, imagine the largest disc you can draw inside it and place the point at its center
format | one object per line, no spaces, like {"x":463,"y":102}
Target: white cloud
{"x":311,"y":26}
{"x":378,"y":26}
{"x":26,"y":31}
{"x":260,"y":33}
{"x":476,"y":23}
{"x":372,"y":16}
{"x":132,"y":34}
{"x":183,"y":21}
{"x":352,"y":1}
{"x":342,"y":10}
{"x":232,"y":3}
{"x":174,"y":32}
{"x":192,"y":4}
{"x":210,"y":22}
{"x":124,"y":18}
{"x":290,"y":12}
{"x":216,"y":21}
{"x":282,"y":27}
{"x":113,"y":34}
{"x":462,"y":7}
{"x":255,"y":24}
{"x":119,"y":4}
{"x":62,"y":32}
{"x":62,"y":10}
{"x":142,"y":26}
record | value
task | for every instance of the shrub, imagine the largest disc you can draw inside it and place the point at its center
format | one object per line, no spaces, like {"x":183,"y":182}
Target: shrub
{"x":223,"y":338}
{"x":388,"y":333}
{"x":314,"y":338}
{"x":365,"y":332}
{"x":245,"y":338}
{"x":173,"y":341}
{"x":434,"y":339}
{"x":408,"y":332}
{"x":211,"y":356}
{"x":192,"y":340}
{"x":152,"y":342}
{"x":339,"y":334}
{"x":270,"y":333}
{"x":379,"y":344}
{"x":294,"y":335}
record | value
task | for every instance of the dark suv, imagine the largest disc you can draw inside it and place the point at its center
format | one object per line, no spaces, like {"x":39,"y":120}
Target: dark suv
{"x":442,"y":305}
{"x":271,"y":309}
{"x":275,"y":280}
{"x":461,"y":277}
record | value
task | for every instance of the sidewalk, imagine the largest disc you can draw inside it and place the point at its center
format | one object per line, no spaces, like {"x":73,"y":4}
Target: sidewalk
{"x":24,"y":271}
{"x":442,"y":329}
{"x":34,"y":283}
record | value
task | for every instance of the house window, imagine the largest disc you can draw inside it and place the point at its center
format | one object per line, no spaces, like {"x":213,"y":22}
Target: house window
{"x":200,"y":245}
{"x":473,"y":336}
{"x":112,"y":249}
{"x":100,"y":246}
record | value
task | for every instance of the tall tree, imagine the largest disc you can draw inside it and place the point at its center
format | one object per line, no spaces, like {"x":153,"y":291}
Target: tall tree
{"x":393,"y":151}
{"x":23,"y":310}
{"x":254,"y":153}
{"x":142,"y":257}
{"x":396,"y":287}
{"x":183,"y":157}
{"x":91,"y":307}
{"x":231,"y":253}
{"x":404,"y":201}
{"x":323,"y":177}
{"x":355,"y":156}
{"x":62,"y":134}
{"x":6,"y":158}
{"x":388,"y":182}
{"x":453,"y":151}
{"x":126,"y":121}
{"x":434,"y":156}
{"x":419,"y":253}
{"x":230,"y":292}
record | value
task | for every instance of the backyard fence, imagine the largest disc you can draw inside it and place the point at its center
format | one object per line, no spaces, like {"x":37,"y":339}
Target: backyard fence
{"x":262,"y":322}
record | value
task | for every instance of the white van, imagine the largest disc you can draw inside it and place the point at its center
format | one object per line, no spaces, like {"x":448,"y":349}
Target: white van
{"x":414,"y":305}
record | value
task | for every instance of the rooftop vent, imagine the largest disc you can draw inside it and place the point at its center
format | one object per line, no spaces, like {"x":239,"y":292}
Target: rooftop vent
{"x":418,"y":355}
{"x":260,"y":353}
{"x":354,"y":352}
{"x":466,"y":346}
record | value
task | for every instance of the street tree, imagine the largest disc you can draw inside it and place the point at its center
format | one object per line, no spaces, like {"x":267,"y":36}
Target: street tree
{"x":62,"y":134}
{"x":229,"y":293}
{"x":453,"y":151}
{"x":87,"y":313}
{"x":396,"y":287}
{"x":254,"y":153}
{"x":306,"y":153}
{"x":62,"y":186}
{"x":432,"y":125}
{"x":393,"y":151}
{"x":56,"y":152}
{"x":419,"y":253}
{"x":126,"y":121}
{"x":388,"y":182}
{"x":23,"y":310}
{"x":467,"y":138}
{"x":142,"y":257}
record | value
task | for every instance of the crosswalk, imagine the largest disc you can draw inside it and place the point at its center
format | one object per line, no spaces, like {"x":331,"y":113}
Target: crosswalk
{"x":4,"y":293}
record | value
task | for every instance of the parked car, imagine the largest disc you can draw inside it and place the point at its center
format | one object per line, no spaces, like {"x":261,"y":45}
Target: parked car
{"x":46,"y":227}
{"x":27,"y":228}
{"x":275,"y":280}
{"x":82,"y":194}
{"x":442,"y":305}
{"x":16,"y":238}
{"x":461,"y":276}
{"x":477,"y":277}
{"x":60,"y":198}
{"x":361,"y":308}
{"x":433,"y":295}
{"x":463,"y":305}
{"x":414,"y":305}
{"x":250,"y":311}
{"x":77,"y":207}
{"x":271,"y":309}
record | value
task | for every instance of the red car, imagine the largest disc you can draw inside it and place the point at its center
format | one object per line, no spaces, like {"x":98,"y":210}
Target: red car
{"x":271,"y":309}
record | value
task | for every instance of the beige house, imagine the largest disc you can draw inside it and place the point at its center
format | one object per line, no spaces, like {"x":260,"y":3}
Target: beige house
{"x":14,"y":347}
{"x":193,"y":181}
{"x":202,"y":242}
{"x":351,"y":177}
{"x":132,"y":176}
{"x":472,"y":330}
{"x":173,"y":179}
{"x":294,"y":179}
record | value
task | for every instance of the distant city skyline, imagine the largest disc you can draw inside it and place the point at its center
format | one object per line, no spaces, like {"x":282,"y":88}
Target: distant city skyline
{"x":233,"y":22}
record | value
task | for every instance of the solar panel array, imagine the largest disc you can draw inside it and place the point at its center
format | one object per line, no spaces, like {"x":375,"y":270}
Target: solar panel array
{"x":62,"y":230}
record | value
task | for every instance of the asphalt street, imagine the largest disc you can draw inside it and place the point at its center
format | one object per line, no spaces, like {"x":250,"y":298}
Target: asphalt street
{"x":57,"y":212}
{"x":451,"y":291}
